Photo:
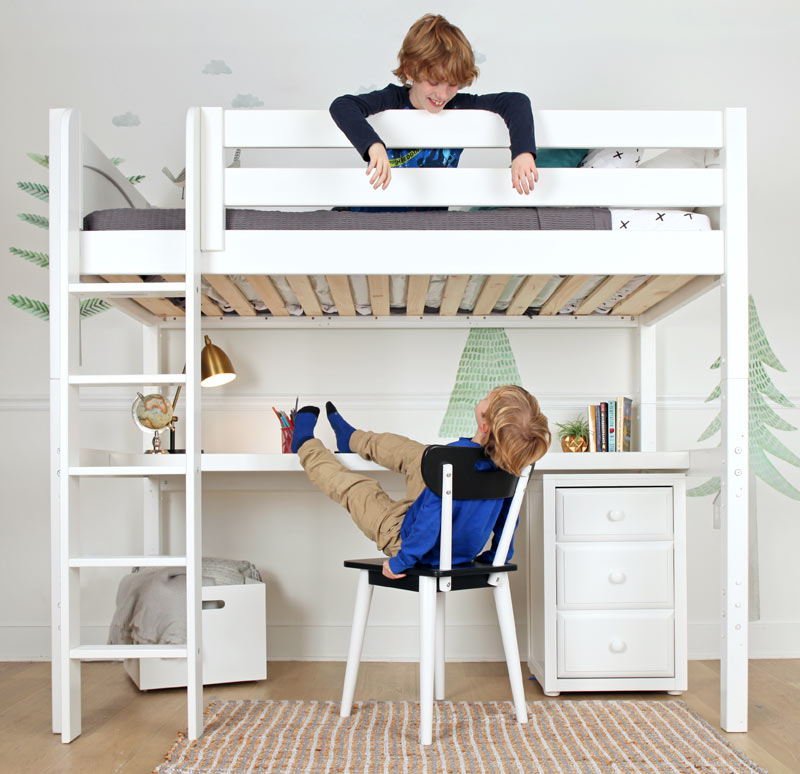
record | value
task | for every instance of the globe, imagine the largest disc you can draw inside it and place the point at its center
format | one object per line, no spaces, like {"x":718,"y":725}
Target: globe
{"x":151,"y":412}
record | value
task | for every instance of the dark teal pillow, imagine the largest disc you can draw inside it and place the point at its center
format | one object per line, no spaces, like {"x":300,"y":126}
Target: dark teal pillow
{"x":559,"y":157}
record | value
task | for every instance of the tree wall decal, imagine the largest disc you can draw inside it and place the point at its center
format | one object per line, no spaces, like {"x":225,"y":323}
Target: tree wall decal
{"x":486,"y":362}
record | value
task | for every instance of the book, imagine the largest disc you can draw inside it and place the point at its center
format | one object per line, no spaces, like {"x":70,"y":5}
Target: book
{"x":598,"y":446}
{"x":592,"y":428}
{"x":604,"y":426}
{"x":612,"y":425}
{"x":624,"y":423}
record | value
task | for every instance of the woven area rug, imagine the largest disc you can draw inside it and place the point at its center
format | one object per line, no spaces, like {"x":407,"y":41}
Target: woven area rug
{"x":565,"y":736}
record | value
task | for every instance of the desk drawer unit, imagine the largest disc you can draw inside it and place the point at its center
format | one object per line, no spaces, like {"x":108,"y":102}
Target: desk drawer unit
{"x":608,"y":583}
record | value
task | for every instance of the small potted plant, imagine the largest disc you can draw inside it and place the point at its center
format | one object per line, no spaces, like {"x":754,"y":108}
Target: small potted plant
{"x":574,"y":434}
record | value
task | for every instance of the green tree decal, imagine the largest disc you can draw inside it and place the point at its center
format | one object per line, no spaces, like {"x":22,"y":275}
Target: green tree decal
{"x":486,"y":362}
{"x":40,"y":309}
{"x":762,"y":417}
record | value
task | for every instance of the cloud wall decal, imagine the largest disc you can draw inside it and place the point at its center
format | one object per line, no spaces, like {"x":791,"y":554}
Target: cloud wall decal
{"x":217,"y":67}
{"x":126,"y":119}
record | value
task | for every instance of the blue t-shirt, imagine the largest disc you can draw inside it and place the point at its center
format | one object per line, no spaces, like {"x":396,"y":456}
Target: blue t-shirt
{"x":473,"y":522}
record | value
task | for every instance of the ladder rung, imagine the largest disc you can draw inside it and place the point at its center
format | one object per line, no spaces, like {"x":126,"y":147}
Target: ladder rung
{"x":129,"y":289}
{"x":128,"y":561}
{"x":129,"y":470}
{"x":115,"y":652}
{"x":132,"y":379}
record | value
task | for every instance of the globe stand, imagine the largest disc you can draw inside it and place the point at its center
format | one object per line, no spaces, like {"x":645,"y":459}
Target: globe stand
{"x":157,"y":448}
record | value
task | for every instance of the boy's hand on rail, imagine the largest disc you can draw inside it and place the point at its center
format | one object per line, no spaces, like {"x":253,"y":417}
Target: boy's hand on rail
{"x":387,"y":571}
{"x":379,"y":166}
{"x":524,"y":173}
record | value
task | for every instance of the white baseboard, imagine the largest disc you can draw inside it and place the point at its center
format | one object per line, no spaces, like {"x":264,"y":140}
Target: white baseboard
{"x":768,"y":639}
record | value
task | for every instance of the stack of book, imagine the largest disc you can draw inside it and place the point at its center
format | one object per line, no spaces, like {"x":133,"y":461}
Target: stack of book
{"x":610,"y":425}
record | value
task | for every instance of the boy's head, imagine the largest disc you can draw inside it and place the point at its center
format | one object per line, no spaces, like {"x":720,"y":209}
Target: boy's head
{"x":435,"y":50}
{"x":515,"y":430}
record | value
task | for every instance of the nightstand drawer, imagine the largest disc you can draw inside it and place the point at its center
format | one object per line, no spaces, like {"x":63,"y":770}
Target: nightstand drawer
{"x":614,"y":575}
{"x":619,"y":644}
{"x":614,"y":513}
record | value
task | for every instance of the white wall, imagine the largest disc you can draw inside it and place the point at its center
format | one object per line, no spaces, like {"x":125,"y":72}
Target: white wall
{"x":146,"y":58}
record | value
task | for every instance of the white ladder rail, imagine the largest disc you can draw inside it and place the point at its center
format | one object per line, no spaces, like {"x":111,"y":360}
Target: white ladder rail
{"x":202,"y":125}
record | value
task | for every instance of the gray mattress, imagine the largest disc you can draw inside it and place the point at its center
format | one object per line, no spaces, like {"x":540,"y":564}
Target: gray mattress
{"x":503,"y":219}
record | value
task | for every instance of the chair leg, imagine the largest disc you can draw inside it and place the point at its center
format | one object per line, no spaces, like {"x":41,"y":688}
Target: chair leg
{"x":438,"y":673}
{"x":359,"y":627}
{"x":427,"y":656}
{"x":508,"y":631}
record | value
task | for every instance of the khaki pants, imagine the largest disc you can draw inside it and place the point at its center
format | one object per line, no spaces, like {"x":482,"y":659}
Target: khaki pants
{"x":376,"y":514}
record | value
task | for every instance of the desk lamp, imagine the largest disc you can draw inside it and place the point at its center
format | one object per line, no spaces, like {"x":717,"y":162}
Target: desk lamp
{"x":215,"y":369}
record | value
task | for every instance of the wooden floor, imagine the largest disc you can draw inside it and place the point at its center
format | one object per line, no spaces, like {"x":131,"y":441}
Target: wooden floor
{"x":126,"y":731}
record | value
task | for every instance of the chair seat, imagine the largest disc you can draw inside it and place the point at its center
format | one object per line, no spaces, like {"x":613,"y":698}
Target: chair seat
{"x":464,"y":576}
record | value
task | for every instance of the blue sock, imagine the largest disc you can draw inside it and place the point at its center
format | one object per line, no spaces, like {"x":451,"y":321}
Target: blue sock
{"x":342,"y":430}
{"x":304,"y":423}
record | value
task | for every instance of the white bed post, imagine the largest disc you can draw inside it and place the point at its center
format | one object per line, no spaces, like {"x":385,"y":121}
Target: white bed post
{"x":735,"y":437}
{"x":55,"y":184}
{"x":647,"y":387}
{"x":194,"y":560}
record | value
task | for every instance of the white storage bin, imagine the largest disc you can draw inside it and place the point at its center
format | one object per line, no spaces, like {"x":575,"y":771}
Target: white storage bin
{"x":234,"y":641}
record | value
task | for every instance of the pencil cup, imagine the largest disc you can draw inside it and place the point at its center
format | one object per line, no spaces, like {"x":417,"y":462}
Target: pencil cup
{"x":286,"y":440}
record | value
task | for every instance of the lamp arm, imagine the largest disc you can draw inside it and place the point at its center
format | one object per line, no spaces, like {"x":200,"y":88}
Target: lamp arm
{"x":177,"y":393}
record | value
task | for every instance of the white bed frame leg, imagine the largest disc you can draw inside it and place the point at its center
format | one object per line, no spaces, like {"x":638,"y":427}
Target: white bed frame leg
{"x":357,"y":631}
{"x":735,"y":437}
{"x":508,"y":632}
{"x":647,"y":388}
{"x":427,"y":655}
{"x":438,"y":673}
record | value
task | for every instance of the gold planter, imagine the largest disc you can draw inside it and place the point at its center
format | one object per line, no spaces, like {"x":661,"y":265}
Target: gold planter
{"x":571,"y":443}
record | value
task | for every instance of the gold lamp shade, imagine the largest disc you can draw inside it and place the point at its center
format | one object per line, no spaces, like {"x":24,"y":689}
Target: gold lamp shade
{"x":215,"y":366}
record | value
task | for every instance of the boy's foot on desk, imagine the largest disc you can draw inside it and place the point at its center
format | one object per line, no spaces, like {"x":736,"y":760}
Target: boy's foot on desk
{"x":342,"y":430}
{"x":305,"y":420}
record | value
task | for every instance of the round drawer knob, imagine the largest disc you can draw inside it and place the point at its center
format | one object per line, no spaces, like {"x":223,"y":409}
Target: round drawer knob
{"x":617,"y":646}
{"x":616,"y":515}
{"x":617,"y":577}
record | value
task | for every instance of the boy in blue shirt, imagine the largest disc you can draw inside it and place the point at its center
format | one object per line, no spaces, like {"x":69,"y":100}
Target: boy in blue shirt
{"x":435,"y":62}
{"x":513,"y":433}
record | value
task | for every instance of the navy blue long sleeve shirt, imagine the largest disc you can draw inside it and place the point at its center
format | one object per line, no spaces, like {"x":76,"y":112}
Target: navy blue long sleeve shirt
{"x":351,"y":110}
{"x":473,"y":522}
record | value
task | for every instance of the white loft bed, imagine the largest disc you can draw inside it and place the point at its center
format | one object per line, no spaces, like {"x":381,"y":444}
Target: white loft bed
{"x":110,"y":264}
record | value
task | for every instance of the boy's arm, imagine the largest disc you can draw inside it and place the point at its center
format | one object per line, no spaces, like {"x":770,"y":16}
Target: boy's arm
{"x":515,"y":109}
{"x":488,"y":556}
{"x":421,"y":538}
{"x":351,"y":110}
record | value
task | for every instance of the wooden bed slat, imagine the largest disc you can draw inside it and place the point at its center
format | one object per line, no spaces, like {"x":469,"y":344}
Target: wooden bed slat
{"x":378,"y":285}
{"x":207,"y":304}
{"x":225,"y":286}
{"x":342,"y":294}
{"x":417,"y":293}
{"x":453,"y":293}
{"x":526,"y":293}
{"x":603,"y":292}
{"x":301,"y":285}
{"x":653,"y":290}
{"x":563,"y":293}
{"x":268,"y":293}
{"x":492,"y":290}
{"x":162,"y":307}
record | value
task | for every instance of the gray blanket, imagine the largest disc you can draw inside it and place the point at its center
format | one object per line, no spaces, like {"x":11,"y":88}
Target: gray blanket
{"x":500,"y":219}
{"x":151,"y":602}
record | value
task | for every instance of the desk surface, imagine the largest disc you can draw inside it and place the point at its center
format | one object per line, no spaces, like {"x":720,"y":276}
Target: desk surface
{"x":553,"y":462}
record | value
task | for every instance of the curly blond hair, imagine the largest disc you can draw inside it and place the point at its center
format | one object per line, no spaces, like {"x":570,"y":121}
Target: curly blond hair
{"x":517,"y":433}
{"x":436,"y":50}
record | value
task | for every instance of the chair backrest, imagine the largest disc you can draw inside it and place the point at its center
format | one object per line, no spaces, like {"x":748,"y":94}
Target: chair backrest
{"x":475,"y":477}
{"x":466,"y":473}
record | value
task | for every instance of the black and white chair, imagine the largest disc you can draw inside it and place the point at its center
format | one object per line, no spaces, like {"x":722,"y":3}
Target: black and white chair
{"x":451,"y":473}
